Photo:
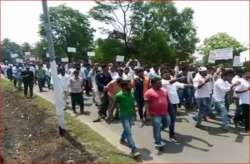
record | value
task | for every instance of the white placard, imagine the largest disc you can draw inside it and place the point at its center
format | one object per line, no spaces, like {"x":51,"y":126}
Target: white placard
{"x":237,"y":62}
{"x":32,"y":59}
{"x":211,"y":57}
{"x":65,"y":60}
{"x":91,"y":54}
{"x":18,"y":60}
{"x":223,"y":54}
{"x":14,"y":55}
{"x":47,"y":55}
{"x":119,"y":58}
{"x":71,"y":49}
{"x":27,"y":53}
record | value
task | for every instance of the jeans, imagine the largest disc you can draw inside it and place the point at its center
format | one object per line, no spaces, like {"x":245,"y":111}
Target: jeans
{"x":126,"y":134}
{"x":204,"y":108}
{"x":221,"y":107}
{"x":172,"y":114}
{"x":156,"y":122}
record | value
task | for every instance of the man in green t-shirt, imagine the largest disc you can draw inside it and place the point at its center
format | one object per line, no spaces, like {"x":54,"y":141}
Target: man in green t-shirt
{"x":124,"y":101}
{"x":40,"y":76}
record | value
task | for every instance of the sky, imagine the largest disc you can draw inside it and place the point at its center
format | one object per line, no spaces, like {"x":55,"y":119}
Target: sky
{"x":20,"y":19}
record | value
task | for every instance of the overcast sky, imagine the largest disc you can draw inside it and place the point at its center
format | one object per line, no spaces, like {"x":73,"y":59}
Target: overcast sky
{"x":19,"y":20}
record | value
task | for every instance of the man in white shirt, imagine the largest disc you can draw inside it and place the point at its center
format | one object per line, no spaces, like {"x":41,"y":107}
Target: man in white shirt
{"x":171,"y":85}
{"x":76,"y":92}
{"x":114,"y":74}
{"x":127,"y":74}
{"x":64,"y":81}
{"x":221,"y":87}
{"x":202,"y":96}
{"x":242,"y":90}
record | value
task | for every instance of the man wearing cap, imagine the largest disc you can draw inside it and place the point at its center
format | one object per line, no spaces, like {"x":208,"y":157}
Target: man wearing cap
{"x":202,"y":94}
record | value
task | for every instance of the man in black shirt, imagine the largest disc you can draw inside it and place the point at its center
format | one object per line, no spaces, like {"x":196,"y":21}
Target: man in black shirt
{"x":102,"y":79}
{"x":28,"y":81}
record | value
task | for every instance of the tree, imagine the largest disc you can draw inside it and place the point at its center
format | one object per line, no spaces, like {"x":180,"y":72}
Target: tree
{"x":8,"y":48}
{"x":70,"y":28}
{"x":116,"y":14}
{"x":108,"y":49}
{"x":39,"y":49}
{"x":161,"y":23}
{"x":221,"y":40}
{"x":26,"y":47}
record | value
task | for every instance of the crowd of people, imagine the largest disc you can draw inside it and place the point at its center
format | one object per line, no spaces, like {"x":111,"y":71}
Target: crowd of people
{"x":153,"y":93}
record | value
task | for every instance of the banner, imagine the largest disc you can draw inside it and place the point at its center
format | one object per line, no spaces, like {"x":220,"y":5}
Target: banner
{"x":27,"y":53}
{"x":71,"y":49}
{"x":237,"y":62}
{"x":18,"y":60}
{"x":212,"y":57}
{"x":119,"y":58}
{"x":32,"y":59}
{"x":66,"y":60}
{"x":91,"y":54}
{"x":14,"y":55}
{"x":223,"y":54}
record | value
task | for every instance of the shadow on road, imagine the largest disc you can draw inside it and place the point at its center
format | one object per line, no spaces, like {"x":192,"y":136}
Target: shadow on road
{"x":184,"y":141}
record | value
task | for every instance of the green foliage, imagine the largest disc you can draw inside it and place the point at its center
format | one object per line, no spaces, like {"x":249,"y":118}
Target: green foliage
{"x":8,"y":48}
{"x":70,"y":28}
{"x":116,"y":15}
{"x":26,"y":47}
{"x":40,"y":49}
{"x":108,"y":49}
{"x":160,"y":30}
{"x":221,"y":40}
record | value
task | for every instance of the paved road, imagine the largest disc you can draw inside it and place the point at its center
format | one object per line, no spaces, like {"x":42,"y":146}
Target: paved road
{"x":194,"y":145}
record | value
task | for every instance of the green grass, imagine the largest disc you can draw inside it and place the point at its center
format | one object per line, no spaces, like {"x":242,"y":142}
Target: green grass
{"x":93,"y":142}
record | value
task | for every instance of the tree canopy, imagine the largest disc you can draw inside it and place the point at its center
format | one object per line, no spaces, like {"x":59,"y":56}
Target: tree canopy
{"x":8,"y":48}
{"x":116,"y":14}
{"x":107,"y":49}
{"x":218,"y":41}
{"x":70,"y":28}
{"x":160,"y":30}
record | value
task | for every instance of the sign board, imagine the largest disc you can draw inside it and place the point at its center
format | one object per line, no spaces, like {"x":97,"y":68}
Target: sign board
{"x":211,"y":57}
{"x":223,"y":54}
{"x":65,"y":60}
{"x":237,"y":62}
{"x":14,"y":55}
{"x":32,"y":59}
{"x":91,"y":54}
{"x":27,"y":53}
{"x":119,"y":58}
{"x":71,"y":49}
{"x":47,"y":55}
{"x":18,"y":60}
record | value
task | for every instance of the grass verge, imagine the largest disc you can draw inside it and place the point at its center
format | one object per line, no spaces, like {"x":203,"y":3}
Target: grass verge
{"x":92,"y":141}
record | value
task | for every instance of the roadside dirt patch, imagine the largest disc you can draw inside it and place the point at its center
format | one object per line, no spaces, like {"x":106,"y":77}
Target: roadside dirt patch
{"x":31,"y":136}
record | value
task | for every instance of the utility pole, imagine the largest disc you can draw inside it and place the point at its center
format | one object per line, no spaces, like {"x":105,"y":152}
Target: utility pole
{"x":48,"y":31}
{"x":58,"y":91}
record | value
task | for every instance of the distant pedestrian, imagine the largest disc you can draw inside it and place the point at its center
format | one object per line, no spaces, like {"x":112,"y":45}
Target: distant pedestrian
{"x":76,"y":92}
{"x":40,"y":77}
{"x":28,"y":81}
